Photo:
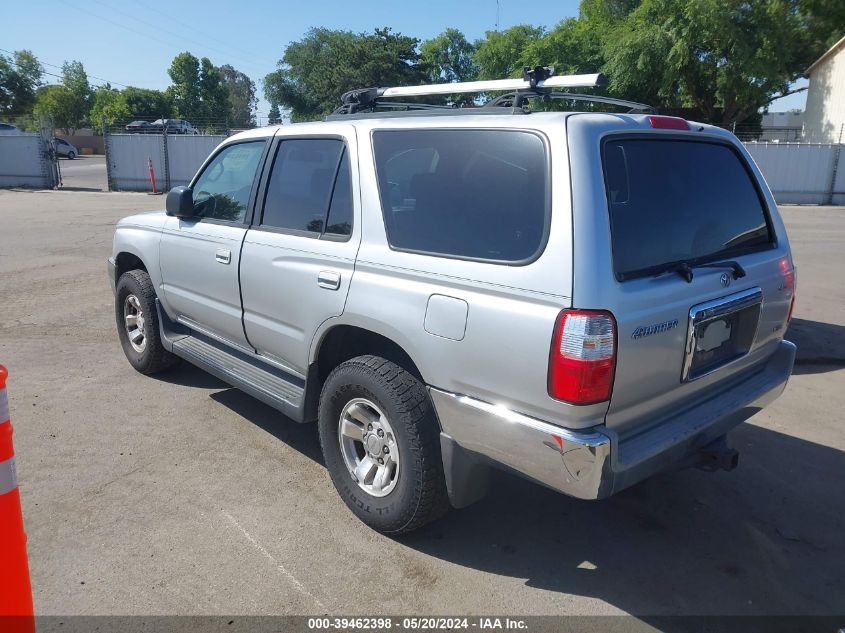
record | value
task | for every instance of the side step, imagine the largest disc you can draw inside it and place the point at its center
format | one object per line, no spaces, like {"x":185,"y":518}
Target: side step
{"x":271,"y":385}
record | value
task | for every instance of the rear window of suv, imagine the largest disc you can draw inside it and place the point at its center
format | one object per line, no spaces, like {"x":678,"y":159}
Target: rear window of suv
{"x":474,"y":194}
{"x":680,"y":201}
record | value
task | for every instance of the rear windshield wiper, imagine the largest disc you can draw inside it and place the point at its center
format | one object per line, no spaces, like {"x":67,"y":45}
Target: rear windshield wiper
{"x":684,"y":269}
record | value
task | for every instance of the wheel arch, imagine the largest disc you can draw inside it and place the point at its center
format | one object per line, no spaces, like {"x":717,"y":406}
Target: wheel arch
{"x":125,"y":261}
{"x":337,"y":343}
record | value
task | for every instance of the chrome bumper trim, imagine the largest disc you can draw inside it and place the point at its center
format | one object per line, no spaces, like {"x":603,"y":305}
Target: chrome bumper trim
{"x":565,"y":460}
{"x":597,"y":463}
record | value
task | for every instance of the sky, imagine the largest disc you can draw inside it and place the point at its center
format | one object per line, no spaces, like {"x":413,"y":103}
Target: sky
{"x":133,"y":42}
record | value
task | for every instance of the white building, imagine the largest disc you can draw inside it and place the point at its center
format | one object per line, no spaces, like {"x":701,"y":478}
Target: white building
{"x":824,"y":116}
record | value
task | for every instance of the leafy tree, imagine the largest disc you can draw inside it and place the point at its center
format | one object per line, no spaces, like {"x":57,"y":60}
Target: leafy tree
{"x":186,"y":92}
{"x":316,"y":70}
{"x":275,"y":116}
{"x":499,"y":54}
{"x":109,"y":104}
{"x":20,"y":75}
{"x":69,"y":103}
{"x":242,"y":99}
{"x":448,"y":58}
{"x":725,"y":60}
{"x":214,"y":95}
{"x":146,"y":104}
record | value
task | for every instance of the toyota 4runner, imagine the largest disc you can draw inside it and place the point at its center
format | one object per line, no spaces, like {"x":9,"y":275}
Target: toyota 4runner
{"x":582,"y":298}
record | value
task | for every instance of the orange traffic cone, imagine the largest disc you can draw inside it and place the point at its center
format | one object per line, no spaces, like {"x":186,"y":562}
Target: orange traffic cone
{"x":16,"y":613}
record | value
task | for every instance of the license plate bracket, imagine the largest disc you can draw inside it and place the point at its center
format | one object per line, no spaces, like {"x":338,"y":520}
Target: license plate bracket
{"x":721,"y":332}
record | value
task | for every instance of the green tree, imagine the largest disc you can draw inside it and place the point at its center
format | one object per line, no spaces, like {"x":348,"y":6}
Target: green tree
{"x":500,"y":53}
{"x":448,"y":58}
{"x":186,"y":93}
{"x":242,"y":99}
{"x":214,"y":96}
{"x":275,"y":116}
{"x":109,"y":104}
{"x":724,"y":60}
{"x":68,"y":104}
{"x":316,"y":70}
{"x":146,"y":104}
{"x":20,"y":76}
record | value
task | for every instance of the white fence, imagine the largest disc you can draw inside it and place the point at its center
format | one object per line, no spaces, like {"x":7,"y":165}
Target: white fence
{"x":802,"y":173}
{"x":25,"y":161}
{"x":797,"y":173}
{"x":175,"y":159}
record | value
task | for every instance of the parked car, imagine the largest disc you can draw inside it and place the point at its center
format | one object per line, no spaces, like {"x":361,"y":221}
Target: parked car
{"x":173,"y":126}
{"x":139,"y":127}
{"x":584,"y":299}
{"x":63,"y":148}
{"x":7,"y":129}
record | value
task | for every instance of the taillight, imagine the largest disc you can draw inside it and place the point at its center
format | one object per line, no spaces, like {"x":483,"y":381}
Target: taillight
{"x":583,"y":356}
{"x":789,"y":285}
{"x":668,"y":123}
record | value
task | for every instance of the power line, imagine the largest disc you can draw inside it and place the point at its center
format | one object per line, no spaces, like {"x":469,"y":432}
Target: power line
{"x":169,"y":44}
{"x":43,"y":63}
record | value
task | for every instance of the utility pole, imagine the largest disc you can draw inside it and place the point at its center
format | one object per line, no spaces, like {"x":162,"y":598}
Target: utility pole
{"x":497,"y":15}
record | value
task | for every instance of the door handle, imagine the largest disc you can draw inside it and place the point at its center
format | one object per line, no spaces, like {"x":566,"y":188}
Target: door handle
{"x":328,"y":279}
{"x":223,"y":255}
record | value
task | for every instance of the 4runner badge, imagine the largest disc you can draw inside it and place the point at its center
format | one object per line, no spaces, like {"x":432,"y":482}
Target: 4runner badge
{"x":647,"y":330}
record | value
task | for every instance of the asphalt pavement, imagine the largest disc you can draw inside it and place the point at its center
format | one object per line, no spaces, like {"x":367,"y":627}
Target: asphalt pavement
{"x":176,"y":494}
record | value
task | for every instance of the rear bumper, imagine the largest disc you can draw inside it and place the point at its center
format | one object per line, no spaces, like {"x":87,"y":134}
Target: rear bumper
{"x":596,"y":463}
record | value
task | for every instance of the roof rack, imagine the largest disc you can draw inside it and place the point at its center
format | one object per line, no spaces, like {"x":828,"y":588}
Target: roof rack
{"x":539,"y":79}
{"x":519,"y":98}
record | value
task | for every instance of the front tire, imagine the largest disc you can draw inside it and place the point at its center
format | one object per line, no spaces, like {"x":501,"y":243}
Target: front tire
{"x":381,"y":445}
{"x":71,"y":155}
{"x":137,"y":323}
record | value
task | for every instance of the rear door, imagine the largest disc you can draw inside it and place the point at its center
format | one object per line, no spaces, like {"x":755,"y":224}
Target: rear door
{"x":689,"y":256}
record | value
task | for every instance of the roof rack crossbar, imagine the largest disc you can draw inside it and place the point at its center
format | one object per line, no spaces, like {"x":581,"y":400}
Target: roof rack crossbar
{"x":517,"y":100}
{"x":537,"y":78}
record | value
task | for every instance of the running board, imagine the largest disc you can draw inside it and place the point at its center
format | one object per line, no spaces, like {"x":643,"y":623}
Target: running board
{"x":271,"y":385}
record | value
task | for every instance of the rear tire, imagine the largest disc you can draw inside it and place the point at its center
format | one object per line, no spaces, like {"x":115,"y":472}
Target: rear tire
{"x":404,"y":426}
{"x":137,"y":324}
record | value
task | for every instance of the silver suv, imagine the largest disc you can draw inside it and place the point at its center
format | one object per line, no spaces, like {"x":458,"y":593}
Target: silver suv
{"x":584,"y":299}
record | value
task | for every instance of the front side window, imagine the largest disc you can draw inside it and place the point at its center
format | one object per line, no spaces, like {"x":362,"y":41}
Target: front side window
{"x":222,"y":190}
{"x":479,"y":194}
{"x":310,"y":188}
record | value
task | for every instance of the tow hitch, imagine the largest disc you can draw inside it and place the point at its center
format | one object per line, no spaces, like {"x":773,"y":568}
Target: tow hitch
{"x":717,"y":456}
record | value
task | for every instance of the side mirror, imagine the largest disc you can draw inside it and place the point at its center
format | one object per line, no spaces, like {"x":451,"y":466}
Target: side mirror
{"x":180,"y":202}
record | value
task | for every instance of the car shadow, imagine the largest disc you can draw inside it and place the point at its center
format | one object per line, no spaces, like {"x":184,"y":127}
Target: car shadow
{"x":300,"y":437}
{"x":821,"y":346}
{"x":764,"y":539}
{"x":188,"y":375}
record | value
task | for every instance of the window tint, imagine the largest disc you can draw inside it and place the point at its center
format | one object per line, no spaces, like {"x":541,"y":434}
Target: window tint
{"x":222,"y":190}
{"x":466,"y":193}
{"x":301,"y":184}
{"x":339,"y":221}
{"x":679,"y":201}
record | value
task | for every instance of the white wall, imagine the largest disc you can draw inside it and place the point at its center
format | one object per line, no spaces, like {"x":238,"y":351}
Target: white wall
{"x":23,"y":162}
{"x":824,"y":116}
{"x":128,"y":154}
{"x":801,"y":173}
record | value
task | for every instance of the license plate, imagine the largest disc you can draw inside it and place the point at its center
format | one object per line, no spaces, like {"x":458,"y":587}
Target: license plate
{"x":721,"y":332}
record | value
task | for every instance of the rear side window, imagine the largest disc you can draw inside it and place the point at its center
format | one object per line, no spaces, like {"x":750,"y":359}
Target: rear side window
{"x":479,"y":194}
{"x":673,"y":201}
{"x":310,"y":188}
